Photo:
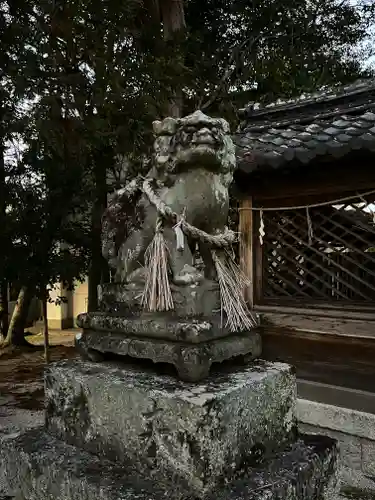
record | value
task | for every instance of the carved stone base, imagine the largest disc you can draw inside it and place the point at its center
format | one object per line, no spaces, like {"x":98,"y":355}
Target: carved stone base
{"x":192,"y":361}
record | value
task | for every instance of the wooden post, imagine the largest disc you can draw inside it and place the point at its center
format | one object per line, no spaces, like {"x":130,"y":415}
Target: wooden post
{"x":246,"y":246}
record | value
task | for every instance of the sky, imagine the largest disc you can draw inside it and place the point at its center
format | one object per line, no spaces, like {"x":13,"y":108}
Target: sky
{"x":370,"y":61}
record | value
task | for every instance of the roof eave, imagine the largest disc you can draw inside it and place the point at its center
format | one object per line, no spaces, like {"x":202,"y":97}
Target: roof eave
{"x":250,"y":163}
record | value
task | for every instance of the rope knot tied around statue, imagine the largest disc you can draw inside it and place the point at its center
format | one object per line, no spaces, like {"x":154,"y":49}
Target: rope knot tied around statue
{"x":157,"y":294}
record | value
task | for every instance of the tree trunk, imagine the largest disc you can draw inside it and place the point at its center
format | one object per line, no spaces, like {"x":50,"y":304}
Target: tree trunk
{"x":4,"y":308}
{"x":174,"y":26}
{"x":4,"y":311}
{"x":16,"y":330}
{"x":45,"y":328}
{"x":98,"y":264}
{"x":173,"y":16}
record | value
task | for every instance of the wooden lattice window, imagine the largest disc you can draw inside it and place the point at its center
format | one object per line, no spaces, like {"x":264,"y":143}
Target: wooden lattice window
{"x":333,"y":262}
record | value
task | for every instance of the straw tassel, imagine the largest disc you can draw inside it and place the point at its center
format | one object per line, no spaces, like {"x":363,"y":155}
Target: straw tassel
{"x":232,"y":282}
{"x":157,"y":295}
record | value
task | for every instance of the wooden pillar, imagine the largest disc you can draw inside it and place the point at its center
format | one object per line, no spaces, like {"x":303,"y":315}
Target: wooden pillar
{"x":246,"y":246}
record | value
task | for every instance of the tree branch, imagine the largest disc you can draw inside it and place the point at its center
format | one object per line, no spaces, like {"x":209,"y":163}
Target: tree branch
{"x":229,"y":71}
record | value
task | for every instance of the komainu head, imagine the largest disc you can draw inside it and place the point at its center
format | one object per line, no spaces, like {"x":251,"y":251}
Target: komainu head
{"x":195,"y":141}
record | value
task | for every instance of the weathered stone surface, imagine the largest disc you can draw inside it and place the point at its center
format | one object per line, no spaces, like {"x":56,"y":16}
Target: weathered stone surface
{"x":13,"y":420}
{"x":356,"y":477}
{"x":357,"y":471}
{"x":336,"y":418}
{"x":350,"y":446}
{"x":158,"y":326}
{"x":357,"y":483}
{"x":201,"y":299}
{"x":192,"y":361}
{"x":39,"y":467}
{"x":368,"y":457}
{"x":17,"y":419}
{"x":167,"y":428}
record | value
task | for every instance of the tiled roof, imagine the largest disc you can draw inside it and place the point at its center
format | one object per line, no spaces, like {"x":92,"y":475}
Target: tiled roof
{"x":329,"y":122}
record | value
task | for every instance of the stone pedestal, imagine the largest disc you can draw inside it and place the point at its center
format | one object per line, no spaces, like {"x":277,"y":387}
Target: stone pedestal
{"x":115,"y":433}
{"x":37,"y":466}
{"x":194,"y":435}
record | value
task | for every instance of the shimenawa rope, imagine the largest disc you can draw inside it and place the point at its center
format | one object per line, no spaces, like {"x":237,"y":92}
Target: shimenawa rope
{"x":222,"y":240}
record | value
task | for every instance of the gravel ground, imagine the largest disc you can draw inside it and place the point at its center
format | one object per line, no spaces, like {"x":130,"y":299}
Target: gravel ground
{"x":22,"y":387}
{"x":21,"y":381}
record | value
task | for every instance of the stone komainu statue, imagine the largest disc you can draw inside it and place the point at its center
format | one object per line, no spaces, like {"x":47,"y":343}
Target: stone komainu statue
{"x":184,"y":198}
{"x":193,"y":164}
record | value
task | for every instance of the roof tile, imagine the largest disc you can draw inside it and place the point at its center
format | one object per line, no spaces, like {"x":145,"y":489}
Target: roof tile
{"x":341,"y":123}
{"x":304,"y":136}
{"x":322,"y":137}
{"x":278,"y":141}
{"x":354,"y":131}
{"x":294,"y":143}
{"x":369,"y":117}
{"x":361,"y":124}
{"x":304,"y":155}
{"x":331,"y":131}
{"x":332,"y":121}
{"x":367,"y":137}
{"x":312,"y":144}
{"x":288,"y":134}
{"x":343,"y":137}
{"x":313,"y":128}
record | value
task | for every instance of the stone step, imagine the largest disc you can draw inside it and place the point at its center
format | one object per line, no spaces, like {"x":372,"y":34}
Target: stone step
{"x":39,"y":467}
{"x":168,"y":428}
